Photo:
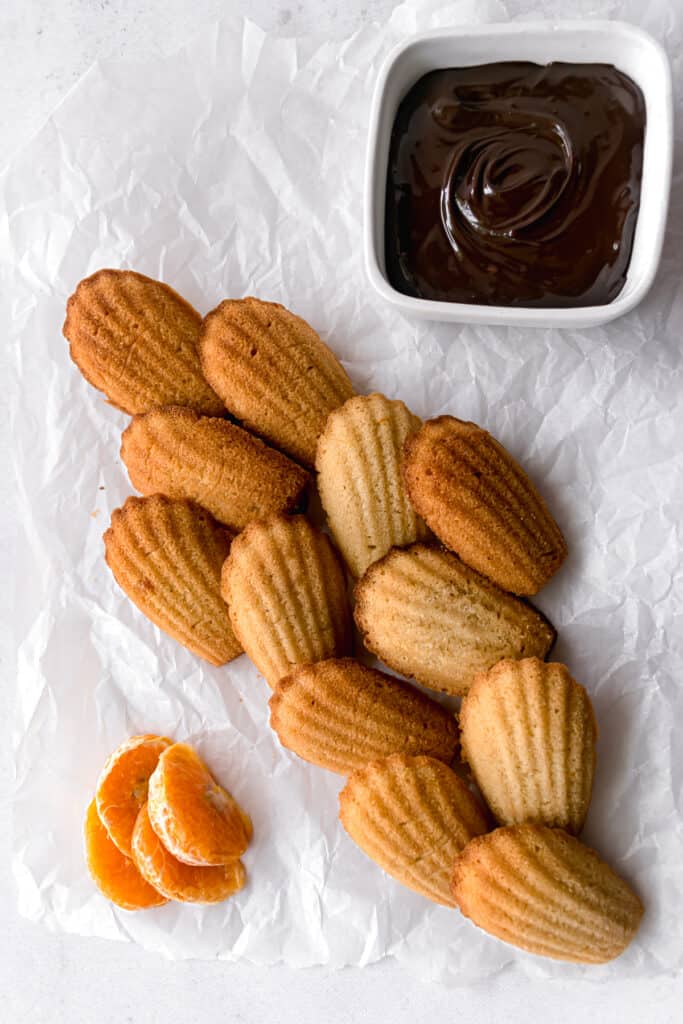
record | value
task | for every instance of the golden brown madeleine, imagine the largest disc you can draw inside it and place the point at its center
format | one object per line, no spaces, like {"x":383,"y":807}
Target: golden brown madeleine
{"x":340,"y":714}
{"x":167,"y":557}
{"x":528,"y":734}
{"x":542,"y":890}
{"x":135,"y":339}
{"x":286,"y":590}
{"x":235,"y":476}
{"x":482,"y":505}
{"x":412,"y":816}
{"x":273,"y":372}
{"x":429,"y":616}
{"x":360,"y":479}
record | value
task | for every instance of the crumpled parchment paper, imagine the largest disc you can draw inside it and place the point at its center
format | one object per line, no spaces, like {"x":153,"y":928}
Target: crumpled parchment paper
{"x":235,"y":167}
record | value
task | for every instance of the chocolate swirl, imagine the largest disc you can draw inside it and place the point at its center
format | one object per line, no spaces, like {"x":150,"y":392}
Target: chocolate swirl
{"x":515,"y":184}
{"x":502,"y":182}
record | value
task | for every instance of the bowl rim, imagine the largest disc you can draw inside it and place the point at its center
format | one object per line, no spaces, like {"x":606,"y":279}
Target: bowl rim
{"x":558,"y":316}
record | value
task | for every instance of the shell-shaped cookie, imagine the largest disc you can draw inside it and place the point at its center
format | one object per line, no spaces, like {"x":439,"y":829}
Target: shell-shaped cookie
{"x":412,"y":816}
{"x":286,"y":589}
{"x":167,"y":557}
{"x":235,"y":476}
{"x":360,"y":479}
{"x":429,"y":616}
{"x":482,"y":505}
{"x":542,"y":890}
{"x":340,"y":714}
{"x":529,"y":734}
{"x":273,"y":372}
{"x":135,"y":339}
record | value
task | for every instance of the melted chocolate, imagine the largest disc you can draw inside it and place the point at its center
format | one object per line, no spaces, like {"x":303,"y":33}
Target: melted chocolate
{"x":515,"y":184}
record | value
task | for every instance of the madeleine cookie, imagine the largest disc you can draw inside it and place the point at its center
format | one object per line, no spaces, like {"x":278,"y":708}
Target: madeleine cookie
{"x":528,"y":734}
{"x":135,"y":339}
{"x":273,"y":372}
{"x":481,"y":504}
{"x":360,"y":480}
{"x":221,"y":467}
{"x":286,"y":590}
{"x":542,"y":890}
{"x":412,"y":816}
{"x":339,"y":714}
{"x":429,"y":616}
{"x":167,"y":557}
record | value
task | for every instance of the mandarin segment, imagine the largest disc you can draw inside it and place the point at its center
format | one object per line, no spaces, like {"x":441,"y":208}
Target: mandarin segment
{"x":176,"y":880}
{"x":197,"y":820}
{"x":122,"y":786}
{"x":115,"y":875}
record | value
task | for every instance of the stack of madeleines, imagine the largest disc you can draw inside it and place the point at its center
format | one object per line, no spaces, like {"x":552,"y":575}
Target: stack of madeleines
{"x":445,"y":538}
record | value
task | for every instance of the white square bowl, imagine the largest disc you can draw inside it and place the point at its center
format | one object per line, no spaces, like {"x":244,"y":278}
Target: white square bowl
{"x":628,"y":48}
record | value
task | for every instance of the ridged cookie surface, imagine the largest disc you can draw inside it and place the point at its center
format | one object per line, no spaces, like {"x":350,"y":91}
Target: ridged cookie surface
{"x":286,"y":589}
{"x":528,"y":734}
{"x":273,"y":372}
{"x":339,"y":714}
{"x":167,"y":557}
{"x":412,"y":816}
{"x":482,"y":505}
{"x":542,"y":890}
{"x":360,"y":480}
{"x":135,"y":339}
{"x":429,"y":616}
{"x":235,"y":476}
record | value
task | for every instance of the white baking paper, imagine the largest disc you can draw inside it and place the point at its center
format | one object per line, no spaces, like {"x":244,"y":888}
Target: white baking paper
{"x":235,"y":167}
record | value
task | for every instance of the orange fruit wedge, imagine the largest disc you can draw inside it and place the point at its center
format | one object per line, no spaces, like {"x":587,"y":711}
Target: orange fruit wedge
{"x":122,"y":786}
{"x":197,"y":820}
{"x":116,"y":875}
{"x":179,"y":881}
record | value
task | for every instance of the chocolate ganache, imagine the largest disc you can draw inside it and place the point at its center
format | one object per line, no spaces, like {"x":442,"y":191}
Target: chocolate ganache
{"x":515,"y":184}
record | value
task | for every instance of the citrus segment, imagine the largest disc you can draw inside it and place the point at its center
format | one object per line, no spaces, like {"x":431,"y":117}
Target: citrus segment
{"x":197,"y":820}
{"x":179,"y":881}
{"x":115,"y":875}
{"x":122,"y":786}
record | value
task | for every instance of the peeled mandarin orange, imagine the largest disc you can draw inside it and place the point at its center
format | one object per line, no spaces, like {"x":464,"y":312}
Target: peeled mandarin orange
{"x":122,"y":786}
{"x":195,"y":818}
{"x":180,"y":881}
{"x":116,"y":875}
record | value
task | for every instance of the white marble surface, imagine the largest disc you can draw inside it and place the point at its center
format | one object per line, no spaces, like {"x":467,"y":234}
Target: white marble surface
{"x":53,"y":979}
